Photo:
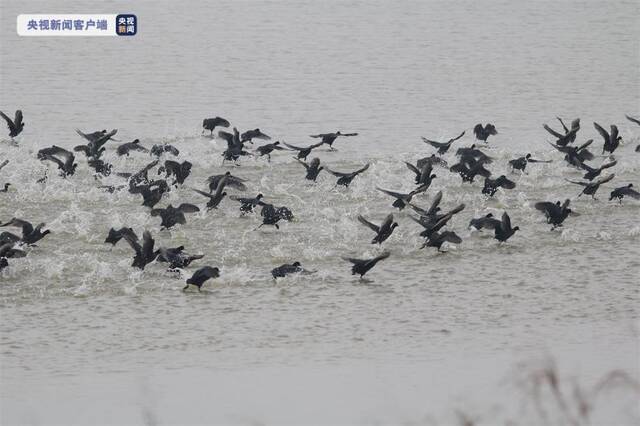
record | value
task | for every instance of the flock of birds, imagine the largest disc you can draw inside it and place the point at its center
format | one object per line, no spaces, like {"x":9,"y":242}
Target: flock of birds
{"x":471,"y":163}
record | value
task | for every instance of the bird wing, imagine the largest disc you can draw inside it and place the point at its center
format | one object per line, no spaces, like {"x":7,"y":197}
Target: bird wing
{"x":477,"y":129}
{"x":578,"y":183}
{"x":220,"y":187}
{"x":365,"y":222}
{"x":227,"y":137}
{"x":506,"y":183}
{"x":586,"y":144}
{"x":321,"y":135}
{"x":614,"y":133}
{"x":563,"y":125}
{"x":602,"y":131}
{"x":604,"y":179}
{"x":392,"y":193}
{"x":435,"y":203}
{"x":433,"y":143}
{"x":147,"y":244}
{"x":633,"y":120}
{"x":608,"y":165}
{"x":357,"y":172}
{"x":413,"y":168}
{"x":451,"y":237}
{"x":348,"y":134}
{"x":306,"y":166}
{"x":297,"y":148}
{"x":457,"y":137}
{"x":10,"y":124}
{"x":315,"y":163}
{"x":553,"y":132}
{"x":206,"y":194}
{"x":132,"y":239}
{"x":419,"y":190}
{"x":506,"y":221}
{"x":188,"y":208}
{"x":420,"y":211}
{"x":27,"y":227}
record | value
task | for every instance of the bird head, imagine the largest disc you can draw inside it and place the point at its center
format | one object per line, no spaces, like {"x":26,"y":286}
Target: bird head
{"x":227,"y":174}
{"x":630,"y":185}
{"x":517,"y":228}
{"x":296,"y":264}
{"x":489,"y":215}
{"x":259,"y":196}
{"x":394,"y":225}
{"x":433,"y":176}
{"x":527,"y":156}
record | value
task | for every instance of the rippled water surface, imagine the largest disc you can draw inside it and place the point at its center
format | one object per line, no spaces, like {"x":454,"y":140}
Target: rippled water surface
{"x":427,"y":333}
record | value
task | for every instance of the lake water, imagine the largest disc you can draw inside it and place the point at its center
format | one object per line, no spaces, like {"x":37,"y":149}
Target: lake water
{"x":85,"y":338}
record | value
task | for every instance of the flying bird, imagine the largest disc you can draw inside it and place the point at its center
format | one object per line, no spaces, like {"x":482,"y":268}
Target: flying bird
{"x":313,"y":168}
{"x":211,"y":123}
{"x":485,"y":222}
{"x":16,"y":125}
{"x":30,"y":235}
{"x":383,"y":231}
{"x":555,"y":213}
{"x":249,"y":135}
{"x":288,"y":269}
{"x":303,"y":151}
{"x":443,"y":147}
{"x":520,"y":163}
{"x":126,"y":148}
{"x":268,"y":149}
{"x":174,"y":215}
{"x":61,"y":157}
{"x":200,"y":276}
{"x":593,"y":173}
{"x":362,"y":266}
{"x":611,"y":141}
{"x":180,"y":170}
{"x":569,"y":134}
{"x":346,"y":178}
{"x":504,"y":231}
{"x":590,"y":188}
{"x":247,"y":205}
{"x":401,"y":199}
{"x":491,"y":185}
{"x":330,"y":138}
{"x":230,"y":181}
{"x":483,"y":133}
{"x":160,"y":149}
{"x":624,"y":191}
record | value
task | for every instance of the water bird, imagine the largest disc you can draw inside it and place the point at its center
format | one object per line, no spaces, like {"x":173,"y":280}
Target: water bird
{"x":520,"y":163}
{"x":330,"y":138}
{"x":30,"y":235}
{"x":443,"y":147}
{"x":590,"y":188}
{"x":152,"y":192}
{"x":434,"y":160}
{"x":504,"y":231}
{"x":230,"y":181}
{"x":485,"y":222}
{"x":491,"y":185}
{"x":100,"y":167}
{"x":556,"y":213}
{"x":268,"y":149}
{"x":144,"y":253}
{"x":432,"y":213}
{"x":473,"y":153}
{"x":469,"y":168}
{"x":174,"y":215}
{"x":346,"y":178}
{"x":234,"y":145}
{"x":483,"y":133}
{"x":116,"y":235}
{"x":176,"y":257}
{"x":211,"y":124}
{"x":433,"y":223}
{"x":271,"y":215}
{"x":160,"y":149}
{"x":249,"y":135}
{"x":288,"y":269}
{"x":16,"y":125}
{"x":126,"y":148}
{"x":95,"y":147}
{"x":313,"y":168}
{"x":574,"y":155}
{"x":593,"y":173}
{"x":216,"y":198}
{"x":383,"y":231}
{"x":569,"y":135}
{"x":61,"y":157}
{"x":8,"y":251}
{"x":180,"y":170}
{"x":624,"y":191}
{"x":247,"y":205}
{"x":401,"y":199}
{"x":362,"y":266}
{"x":303,"y":151}
{"x":437,"y":239}
{"x":424,"y":176}
{"x":611,"y":141}
{"x":200,"y":276}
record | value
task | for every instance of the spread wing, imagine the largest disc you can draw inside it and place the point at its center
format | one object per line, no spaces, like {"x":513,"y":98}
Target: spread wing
{"x":392,"y":193}
{"x":604,"y":179}
{"x":602,"y":131}
{"x":365,"y":222}
{"x":10,"y":124}
{"x":188,"y":208}
{"x":633,"y":120}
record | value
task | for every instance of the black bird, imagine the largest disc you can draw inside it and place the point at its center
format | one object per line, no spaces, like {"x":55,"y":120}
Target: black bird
{"x":383,"y":231}
{"x":346,"y":178}
{"x":30,"y":235}
{"x":432,"y":224}
{"x":313,"y":168}
{"x":468,"y":169}
{"x":556,"y":213}
{"x":590,"y":188}
{"x":160,"y":149}
{"x":624,"y":191}
{"x":329,"y":138}
{"x":362,"y":266}
{"x":569,"y":134}
{"x":491,"y":185}
{"x":116,"y":235}
{"x":153,"y":192}
{"x":180,"y":170}
{"x":126,"y":148}
{"x":7,"y":251}
{"x":176,"y":257}
{"x":437,"y":239}
{"x":174,"y":215}
{"x":248,"y":204}
{"x":473,"y":153}
{"x":63,"y":158}
{"x":216,"y":198}
{"x":424,"y":177}
{"x":96,"y":142}
{"x":16,"y":125}
{"x":6,"y":187}
{"x":611,"y":141}
{"x":401,"y":200}
{"x":144,"y":253}
{"x":485,"y":222}
{"x":434,"y":160}
{"x":483,"y":133}
{"x":576,"y":155}
{"x":431,"y":215}
{"x":287,"y":269}
{"x":100,"y":167}
{"x":211,"y":123}
{"x":443,"y":147}
{"x":249,"y":135}
{"x":271,"y":215}
{"x":139,"y":177}
{"x":268,"y":149}
{"x":230,"y":181}
{"x":594,"y":173}
{"x":201,"y":275}
{"x":234,"y":145}
{"x":504,"y":231}
{"x":520,"y":163}
{"x":303,"y":152}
